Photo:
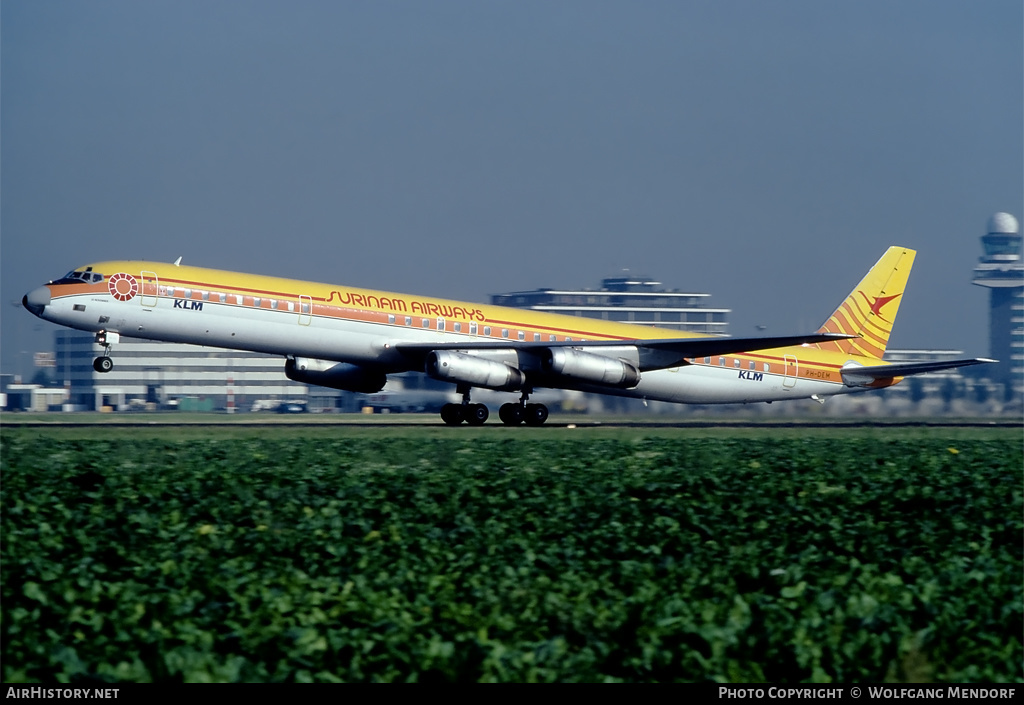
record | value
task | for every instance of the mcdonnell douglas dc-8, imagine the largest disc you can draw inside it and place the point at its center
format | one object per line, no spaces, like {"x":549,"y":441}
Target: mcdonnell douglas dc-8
{"x":351,"y":339}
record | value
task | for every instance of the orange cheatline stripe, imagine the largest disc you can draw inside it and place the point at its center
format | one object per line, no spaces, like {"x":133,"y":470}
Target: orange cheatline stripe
{"x":513,"y":324}
{"x":226,"y":287}
{"x":566,"y":330}
{"x":780,"y":359}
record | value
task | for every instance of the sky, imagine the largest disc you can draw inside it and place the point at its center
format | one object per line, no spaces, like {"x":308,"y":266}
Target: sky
{"x":765,"y":153}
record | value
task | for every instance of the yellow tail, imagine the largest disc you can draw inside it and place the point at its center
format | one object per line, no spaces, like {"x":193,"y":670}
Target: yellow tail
{"x":870,"y":309}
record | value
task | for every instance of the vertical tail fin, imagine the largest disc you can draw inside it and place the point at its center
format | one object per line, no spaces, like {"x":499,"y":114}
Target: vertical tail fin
{"x":870,"y":309}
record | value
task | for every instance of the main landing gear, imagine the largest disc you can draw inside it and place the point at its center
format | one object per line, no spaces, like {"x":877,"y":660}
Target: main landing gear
{"x":473,"y":414}
{"x":511,"y":414}
{"x":104,"y":363}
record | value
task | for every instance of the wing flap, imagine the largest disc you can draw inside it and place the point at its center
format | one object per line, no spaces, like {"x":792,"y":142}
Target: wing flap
{"x":655,"y":354}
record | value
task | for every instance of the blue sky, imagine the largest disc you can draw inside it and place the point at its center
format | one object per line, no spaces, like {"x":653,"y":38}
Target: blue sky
{"x":766,"y":153}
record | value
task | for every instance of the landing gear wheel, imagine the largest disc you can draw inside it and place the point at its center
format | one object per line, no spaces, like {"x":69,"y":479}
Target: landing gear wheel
{"x":511,"y":414}
{"x":536,"y":414}
{"x":476,"y":414}
{"x":103,"y":364}
{"x":451,"y":414}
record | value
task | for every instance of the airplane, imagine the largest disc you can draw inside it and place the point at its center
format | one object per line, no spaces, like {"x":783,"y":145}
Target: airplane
{"x":350,"y":338}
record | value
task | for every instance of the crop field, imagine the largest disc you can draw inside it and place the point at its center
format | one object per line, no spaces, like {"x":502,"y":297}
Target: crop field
{"x":494,"y":554}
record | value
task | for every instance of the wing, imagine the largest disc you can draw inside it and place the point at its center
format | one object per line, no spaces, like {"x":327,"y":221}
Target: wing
{"x":653,"y":354}
{"x":860,"y":376}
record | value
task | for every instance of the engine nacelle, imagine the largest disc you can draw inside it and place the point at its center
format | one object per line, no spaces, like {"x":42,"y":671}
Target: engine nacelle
{"x":587,"y":367}
{"x":473,"y":370}
{"x":336,"y":375}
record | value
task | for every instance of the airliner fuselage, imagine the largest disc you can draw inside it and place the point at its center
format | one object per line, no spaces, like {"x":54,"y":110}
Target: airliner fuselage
{"x":350,"y":338}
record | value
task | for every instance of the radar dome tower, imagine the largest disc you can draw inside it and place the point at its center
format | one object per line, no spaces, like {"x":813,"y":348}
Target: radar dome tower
{"x":1001,"y":270}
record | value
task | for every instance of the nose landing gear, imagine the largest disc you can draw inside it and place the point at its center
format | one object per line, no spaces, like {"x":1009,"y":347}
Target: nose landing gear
{"x":104,"y":363}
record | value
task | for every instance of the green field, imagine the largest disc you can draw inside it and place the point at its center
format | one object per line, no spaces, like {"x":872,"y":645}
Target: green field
{"x":426,"y":553}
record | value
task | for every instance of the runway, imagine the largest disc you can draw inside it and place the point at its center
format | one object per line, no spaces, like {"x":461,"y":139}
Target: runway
{"x":425,"y":421}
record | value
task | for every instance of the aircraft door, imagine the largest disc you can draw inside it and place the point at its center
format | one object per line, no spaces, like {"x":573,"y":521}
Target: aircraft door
{"x":150,"y":289}
{"x":792,"y":369}
{"x":305,"y":310}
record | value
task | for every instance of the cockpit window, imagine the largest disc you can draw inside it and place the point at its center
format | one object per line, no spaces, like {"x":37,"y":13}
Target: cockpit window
{"x":76,"y":276}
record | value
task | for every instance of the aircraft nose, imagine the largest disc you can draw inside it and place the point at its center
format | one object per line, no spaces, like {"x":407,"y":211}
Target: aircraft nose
{"x":36,"y":300}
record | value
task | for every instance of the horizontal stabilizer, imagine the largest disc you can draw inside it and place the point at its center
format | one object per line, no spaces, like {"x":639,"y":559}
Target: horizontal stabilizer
{"x":860,"y":376}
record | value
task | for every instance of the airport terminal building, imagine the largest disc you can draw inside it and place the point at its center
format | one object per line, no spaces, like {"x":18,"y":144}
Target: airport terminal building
{"x":638,"y":300}
{"x":151,"y":375}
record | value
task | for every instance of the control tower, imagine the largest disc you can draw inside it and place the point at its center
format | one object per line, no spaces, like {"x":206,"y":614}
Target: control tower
{"x":1001,"y":270}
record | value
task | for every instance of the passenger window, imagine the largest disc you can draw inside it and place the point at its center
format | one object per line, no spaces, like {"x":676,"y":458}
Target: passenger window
{"x":721,"y":362}
{"x":472,"y":328}
{"x":408,"y":320}
{"x":487,"y":330}
{"x":238,"y":300}
{"x":458,"y":327}
{"x":552,"y":338}
{"x":767,"y":367}
{"x":536,"y":337}
{"x":391,"y":318}
{"x":752,"y":365}
{"x":256,"y":302}
{"x":707,"y":360}
{"x":522,"y":335}
{"x":426,"y":323}
{"x":223,"y":297}
{"x":440,"y":324}
{"x":273,"y":304}
{"x":504,"y":332}
{"x":187,"y":293}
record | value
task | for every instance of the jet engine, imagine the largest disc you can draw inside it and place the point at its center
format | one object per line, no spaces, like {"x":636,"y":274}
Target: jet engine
{"x":587,"y":367}
{"x":336,"y":375}
{"x":453,"y":366}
